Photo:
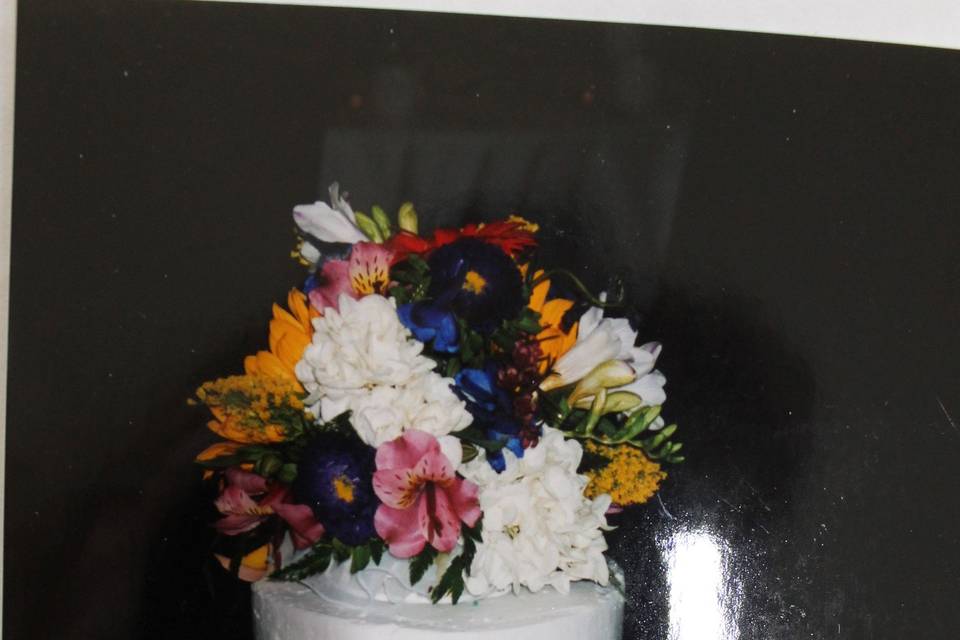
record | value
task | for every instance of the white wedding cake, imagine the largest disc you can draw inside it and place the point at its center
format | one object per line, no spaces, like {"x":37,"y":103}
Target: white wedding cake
{"x":379,"y":603}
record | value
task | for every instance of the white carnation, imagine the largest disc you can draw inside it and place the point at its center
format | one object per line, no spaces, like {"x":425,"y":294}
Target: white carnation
{"x":538,"y":528}
{"x":362,"y":359}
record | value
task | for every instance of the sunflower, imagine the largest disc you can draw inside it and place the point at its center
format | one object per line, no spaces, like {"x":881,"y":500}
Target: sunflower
{"x":554,"y":341}
{"x":290,"y":333}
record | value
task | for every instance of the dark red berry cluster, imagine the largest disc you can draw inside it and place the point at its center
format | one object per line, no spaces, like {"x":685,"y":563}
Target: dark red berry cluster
{"x":520,"y":377}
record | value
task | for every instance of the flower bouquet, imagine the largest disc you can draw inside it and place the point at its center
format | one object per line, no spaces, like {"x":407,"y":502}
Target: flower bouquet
{"x":439,"y":397}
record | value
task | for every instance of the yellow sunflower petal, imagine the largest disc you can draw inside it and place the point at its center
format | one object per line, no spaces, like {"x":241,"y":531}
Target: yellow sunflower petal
{"x":539,"y":295}
{"x":298,"y":307}
{"x":265,"y":363}
{"x":290,"y":348}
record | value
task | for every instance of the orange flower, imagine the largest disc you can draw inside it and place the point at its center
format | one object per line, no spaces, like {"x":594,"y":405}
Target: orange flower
{"x":244,"y":407}
{"x":254,"y":566}
{"x":217,"y":450}
{"x":554,"y":341}
{"x":290,"y":333}
{"x":230,"y":427}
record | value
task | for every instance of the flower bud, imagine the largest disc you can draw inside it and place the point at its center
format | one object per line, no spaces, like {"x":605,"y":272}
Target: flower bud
{"x":606,"y":375}
{"x":617,"y":402}
{"x":407,"y":218}
{"x":369,"y":227}
{"x":383,"y":222}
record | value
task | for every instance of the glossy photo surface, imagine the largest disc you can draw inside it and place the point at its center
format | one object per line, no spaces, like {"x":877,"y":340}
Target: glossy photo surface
{"x":784,"y":213}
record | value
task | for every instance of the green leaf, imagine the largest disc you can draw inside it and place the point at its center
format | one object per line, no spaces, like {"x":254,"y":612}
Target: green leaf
{"x":376,"y":550}
{"x":316,"y":561}
{"x":528,"y":322}
{"x":473,"y":533}
{"x":287,"y":473}
{"x":360,"y":558}
{"x":400,"y":294}
{"x":450,"y":582}
{"x":268,"y":465}
{"x":634,"y":426}
{"x":341,"y":551}
{"x":420,"y":563}
{"x":453,"y":367}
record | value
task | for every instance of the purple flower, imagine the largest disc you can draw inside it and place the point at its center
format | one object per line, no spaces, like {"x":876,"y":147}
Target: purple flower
{"x":334,"y":478}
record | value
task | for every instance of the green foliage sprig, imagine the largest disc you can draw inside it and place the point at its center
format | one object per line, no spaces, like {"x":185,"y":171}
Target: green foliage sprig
{"x":452,"y":579}
{"x":614,"y":430}
{"x":321,"y":554}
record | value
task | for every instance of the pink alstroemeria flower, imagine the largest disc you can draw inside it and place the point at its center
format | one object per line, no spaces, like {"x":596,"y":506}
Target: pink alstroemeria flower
{"x":423,"y":499}
{"x":335,"y":276}
{"x":366,"y":271}
{"x":243,"y":513}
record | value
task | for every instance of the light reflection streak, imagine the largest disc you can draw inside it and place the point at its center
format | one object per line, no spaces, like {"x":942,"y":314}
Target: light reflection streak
{"x":704,"y":599}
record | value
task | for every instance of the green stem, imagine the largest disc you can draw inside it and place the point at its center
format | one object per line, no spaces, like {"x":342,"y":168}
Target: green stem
{"x":582,"y":288}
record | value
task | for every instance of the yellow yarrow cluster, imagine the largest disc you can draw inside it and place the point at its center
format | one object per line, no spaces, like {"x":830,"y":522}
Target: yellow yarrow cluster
{"x":244,"y":406}
{"x":630,"y":478}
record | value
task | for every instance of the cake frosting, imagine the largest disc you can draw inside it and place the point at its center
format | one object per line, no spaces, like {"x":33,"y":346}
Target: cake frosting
{"x":379,"y":603}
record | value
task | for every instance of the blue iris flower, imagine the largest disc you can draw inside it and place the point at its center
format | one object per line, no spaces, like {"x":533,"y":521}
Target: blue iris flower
{"x":490,"y":407}
{"x":430,"y":321}
{"x":334,"y":478}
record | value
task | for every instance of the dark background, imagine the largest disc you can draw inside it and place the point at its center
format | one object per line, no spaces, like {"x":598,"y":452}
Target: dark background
{"x":783,"y":210}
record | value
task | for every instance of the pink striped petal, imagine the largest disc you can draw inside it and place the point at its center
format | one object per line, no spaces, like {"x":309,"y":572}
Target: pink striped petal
{"x":396,"y":488}
{"x":248,"y":482}
{"x":235,"y":500}
{"x":398,"y":528}
{"x":237,"y":523}
{"x":304,"y":527}
{"x":464,"y":495}
{"x":335,"y":278}
{"x":437,"y":520}
{"x":370,"y":267}
{"x":434,"y":467}
{"x":405,"y":451}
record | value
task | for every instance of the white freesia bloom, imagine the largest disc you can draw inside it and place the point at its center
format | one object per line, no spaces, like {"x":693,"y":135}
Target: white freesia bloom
{"x":600,"y":339}
{"x":538,"y":528}
{"x":362,"y":359}
{"x":649,"y":383}
{"x":328,"y":224}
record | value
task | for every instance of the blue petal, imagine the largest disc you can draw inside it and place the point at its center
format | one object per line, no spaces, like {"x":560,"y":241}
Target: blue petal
{"x":428,"y":322}
{"x":421,"y":332}
{"x":497,"y":460}
{"x":311,"y":283}
{"x":448,"y":336}
{"x":478,"y":386}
